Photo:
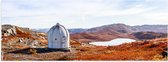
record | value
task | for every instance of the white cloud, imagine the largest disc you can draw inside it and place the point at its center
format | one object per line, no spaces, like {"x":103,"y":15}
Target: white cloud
{"x":45,"y":13}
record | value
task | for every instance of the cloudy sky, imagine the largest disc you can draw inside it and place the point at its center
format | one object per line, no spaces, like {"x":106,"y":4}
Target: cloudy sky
{"x":83,"y":13}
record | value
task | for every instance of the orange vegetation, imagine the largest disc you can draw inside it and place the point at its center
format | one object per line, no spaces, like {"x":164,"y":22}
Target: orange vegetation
{"x":128,"y":51}
{"x":20,"y":33}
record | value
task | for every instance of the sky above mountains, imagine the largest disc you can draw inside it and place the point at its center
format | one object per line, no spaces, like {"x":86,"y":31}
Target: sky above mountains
{"x":83,"y":13}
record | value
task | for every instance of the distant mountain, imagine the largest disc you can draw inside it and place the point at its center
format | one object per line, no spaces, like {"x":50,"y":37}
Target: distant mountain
{"x":153,"y":28}
{"x":71,"y":31}
{"x":126,"y":28}
{"x":122,"y":28}
{"x":76,"y":30}
{"x":45,"y":30}
{"x":112,"y":31}
{"x":105,"y":33}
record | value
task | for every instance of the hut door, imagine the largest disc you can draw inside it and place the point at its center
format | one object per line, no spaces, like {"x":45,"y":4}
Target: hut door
{"x":56,"y":39}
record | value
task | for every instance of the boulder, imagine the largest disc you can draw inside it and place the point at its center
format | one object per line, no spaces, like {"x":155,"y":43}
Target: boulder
{"x":8,"y":30}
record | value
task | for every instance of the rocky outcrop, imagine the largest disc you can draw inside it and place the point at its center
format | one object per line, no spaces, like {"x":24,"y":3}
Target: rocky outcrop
{"x":13,"y":36}
{"x":8,"y":30}
{"x":11,"y":30}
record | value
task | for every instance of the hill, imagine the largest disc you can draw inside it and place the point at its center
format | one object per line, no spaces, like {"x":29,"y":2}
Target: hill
{"x":152,"y":28}
{"x":109,"y":32}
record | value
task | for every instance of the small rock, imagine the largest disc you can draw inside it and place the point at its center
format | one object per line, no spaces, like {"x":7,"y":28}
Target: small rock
{"x":20,"y":40}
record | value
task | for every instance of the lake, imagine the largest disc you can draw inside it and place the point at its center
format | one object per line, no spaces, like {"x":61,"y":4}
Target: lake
{"x":113,"y":42}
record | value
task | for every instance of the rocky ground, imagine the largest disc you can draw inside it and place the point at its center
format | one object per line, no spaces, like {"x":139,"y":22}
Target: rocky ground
{"x":155,"y":49}
{"x":23,"y":44}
